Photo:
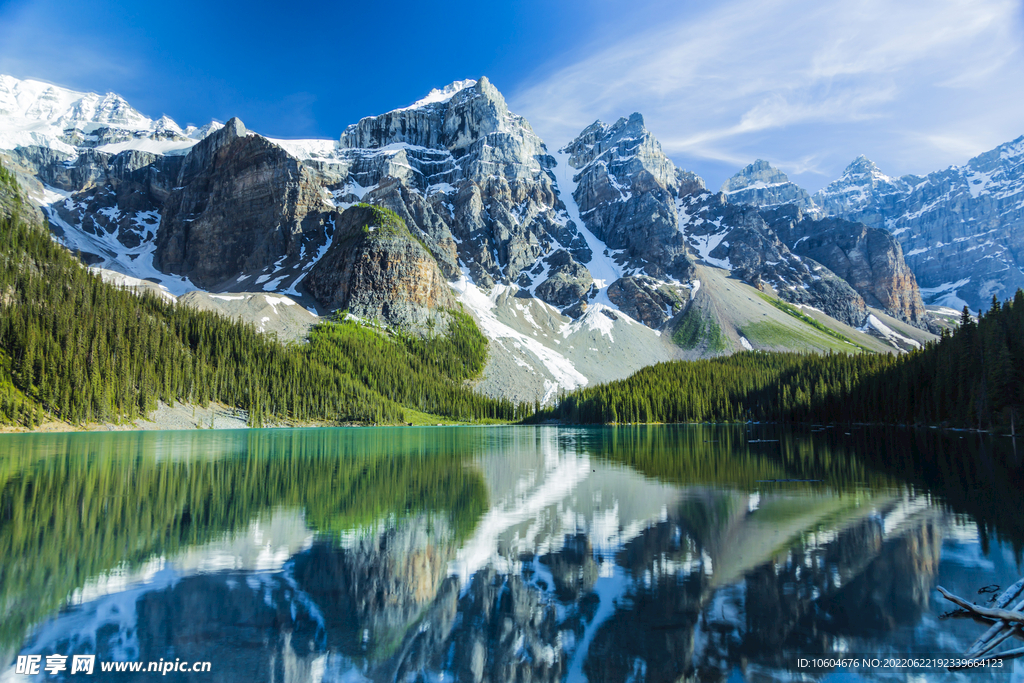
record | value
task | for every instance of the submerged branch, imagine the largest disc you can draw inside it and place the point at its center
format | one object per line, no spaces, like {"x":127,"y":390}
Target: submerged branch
{"x":990,"y":612}
{"x":983,"y":644}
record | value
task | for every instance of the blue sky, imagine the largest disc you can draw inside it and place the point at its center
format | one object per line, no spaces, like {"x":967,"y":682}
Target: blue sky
{"x":916,"y":85}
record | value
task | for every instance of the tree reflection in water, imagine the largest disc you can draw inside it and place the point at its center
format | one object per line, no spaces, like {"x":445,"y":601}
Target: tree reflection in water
{"x":609,"y":554}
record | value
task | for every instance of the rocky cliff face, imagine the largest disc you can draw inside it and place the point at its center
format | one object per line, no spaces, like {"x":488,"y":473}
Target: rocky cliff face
{"x":647,"y":299}
{"x":241,"y":204}
{"x":375,"y":269}
{"x":113,"y":197}
{"x":869,"y":259}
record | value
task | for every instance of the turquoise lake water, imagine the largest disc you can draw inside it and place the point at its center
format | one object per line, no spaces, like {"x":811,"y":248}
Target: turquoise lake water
{"x":662,"y":553}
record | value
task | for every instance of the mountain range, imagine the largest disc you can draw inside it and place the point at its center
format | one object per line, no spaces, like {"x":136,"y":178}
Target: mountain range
{"x":960,"y":228}
{"x":580,"y":264}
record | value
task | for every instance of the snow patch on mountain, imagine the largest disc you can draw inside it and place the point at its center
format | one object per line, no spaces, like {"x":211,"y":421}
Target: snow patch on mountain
{"x":893,"y":337}
{"x":133,"y":283}
{"x":161,"y":147}
{"x":482,"y":305}
{"x":945,"y":294}
{"x":602,"y":268}
{"x":316,"y":149}
{"x":596,"y":319}
{"x":705,"y":244}
{"x":134,"y":262}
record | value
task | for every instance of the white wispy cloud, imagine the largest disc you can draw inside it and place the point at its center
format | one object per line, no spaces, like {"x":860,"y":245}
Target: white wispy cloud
{"x":810,"y":83}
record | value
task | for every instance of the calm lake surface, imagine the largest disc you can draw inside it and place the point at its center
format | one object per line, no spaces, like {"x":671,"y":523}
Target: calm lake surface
{"x":712,"y":553}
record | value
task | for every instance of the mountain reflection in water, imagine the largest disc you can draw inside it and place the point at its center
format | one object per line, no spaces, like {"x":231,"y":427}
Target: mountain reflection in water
{"x":501,"y":554}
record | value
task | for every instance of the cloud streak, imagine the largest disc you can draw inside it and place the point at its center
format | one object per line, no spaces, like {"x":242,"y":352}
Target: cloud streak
{"x":808,"y":84}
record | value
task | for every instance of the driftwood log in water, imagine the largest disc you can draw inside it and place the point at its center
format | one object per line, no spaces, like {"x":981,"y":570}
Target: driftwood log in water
{"x":1008,"y":624}
{"x":990,"y":612}
{"x":999,"y":631}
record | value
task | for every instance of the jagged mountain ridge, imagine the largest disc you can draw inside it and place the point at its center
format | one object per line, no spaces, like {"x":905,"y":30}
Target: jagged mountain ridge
{"x":558,"y":255}
{"x":661,"y":221}
{"x":868,"y":259}
{"x":959,"y":228}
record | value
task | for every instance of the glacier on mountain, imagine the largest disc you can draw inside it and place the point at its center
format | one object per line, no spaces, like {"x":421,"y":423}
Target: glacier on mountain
{"x":33,"y":113}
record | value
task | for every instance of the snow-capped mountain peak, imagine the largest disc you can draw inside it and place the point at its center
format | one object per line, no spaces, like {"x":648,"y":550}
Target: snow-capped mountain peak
{"x":863,"y":169}
{"x":37,"y":101}
{"x":761,"y":184}
{"x":203,"y":132}
{"x":166,"y":124}
{"x":444,"y":94}
{"x":862,"y":185}
{"x":759,"y":174}
{"x":33,"y":113}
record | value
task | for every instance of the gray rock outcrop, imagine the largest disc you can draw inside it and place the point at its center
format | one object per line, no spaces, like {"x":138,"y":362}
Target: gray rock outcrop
{"x":375,"y":269}
{"x":568,"y":281}
{"x":646,"y":299}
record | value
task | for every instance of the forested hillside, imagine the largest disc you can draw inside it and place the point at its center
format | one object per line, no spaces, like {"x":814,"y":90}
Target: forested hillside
{"x":971,"y":378}
{"x":83,"y":350}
